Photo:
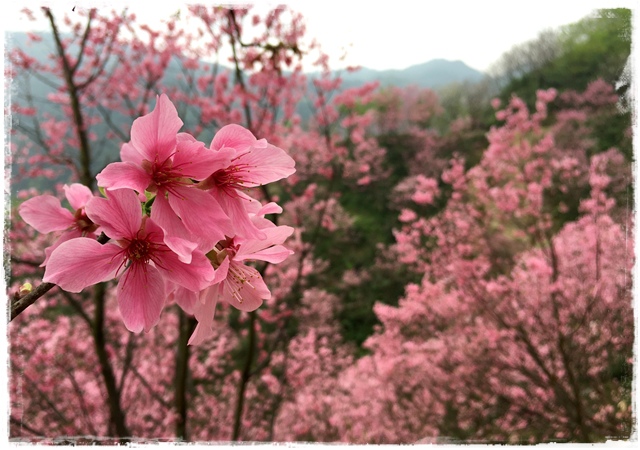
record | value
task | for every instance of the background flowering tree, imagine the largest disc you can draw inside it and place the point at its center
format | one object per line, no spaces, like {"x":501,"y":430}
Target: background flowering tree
{"x":511,"y":342}
{"x":453,"y":276}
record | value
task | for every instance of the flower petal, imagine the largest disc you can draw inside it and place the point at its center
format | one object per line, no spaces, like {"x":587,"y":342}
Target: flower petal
{"x":235,"y":209}
{"x":195,"y":276}
{"x":233,"y":136}
{"x":244,"y":287}
{"x":202,"y":215}
{"x":64,"y":237}
{"x":154,"y":134}
{"x":82,"y":262}
{"x":119,"y":175}
{"x":274,"y":255}
{"x":141,"y":297}
{"x":119,"y":215}
{"x":204,"y":312}
{"x":175,"y":234}
{"x":269,"y":208}
{"x":265,"y":165}
{"x":273,"y":236}
{"x":128,"y":153}
{"x":78,"y":195}
{"x":45,"y":214}
{"x":185,"y":298}
{"x":221,"y":272}
{"x":195,"y":161}
{"x":185,"y":137}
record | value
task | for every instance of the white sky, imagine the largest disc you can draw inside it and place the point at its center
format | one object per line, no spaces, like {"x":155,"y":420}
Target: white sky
{"x":393,"y":34}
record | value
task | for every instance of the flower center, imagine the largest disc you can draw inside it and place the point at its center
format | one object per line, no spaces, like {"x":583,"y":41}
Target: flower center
{"x":164,"y":176}
{"x":222,"y":250}
{"x":83,"y":223}
{"x":139,"y":251}
{"x":229,"y":178}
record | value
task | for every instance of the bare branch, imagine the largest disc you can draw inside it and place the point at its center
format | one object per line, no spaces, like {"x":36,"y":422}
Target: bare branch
{"x":83,"y":43}
{"x":22,"y":425}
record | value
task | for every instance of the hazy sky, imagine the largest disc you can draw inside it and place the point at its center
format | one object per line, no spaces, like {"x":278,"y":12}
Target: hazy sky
{"x":397,"y":33}
{"x":392,"y":34}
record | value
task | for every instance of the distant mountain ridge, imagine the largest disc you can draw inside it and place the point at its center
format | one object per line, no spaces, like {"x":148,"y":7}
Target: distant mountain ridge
{"x":431,"y":74}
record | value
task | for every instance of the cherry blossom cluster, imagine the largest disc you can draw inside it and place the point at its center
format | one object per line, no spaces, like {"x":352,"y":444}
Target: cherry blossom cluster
{"x":177,"y":221}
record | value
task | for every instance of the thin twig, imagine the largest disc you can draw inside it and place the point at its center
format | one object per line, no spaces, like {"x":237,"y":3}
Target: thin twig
{"x":24,"y":302}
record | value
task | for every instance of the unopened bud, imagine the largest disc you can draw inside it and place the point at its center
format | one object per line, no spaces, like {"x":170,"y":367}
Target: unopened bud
{"x":25,"y":289}
{"x":622,"y":405}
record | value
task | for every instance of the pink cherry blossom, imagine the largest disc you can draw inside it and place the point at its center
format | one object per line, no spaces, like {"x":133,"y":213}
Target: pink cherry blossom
{"x":252,"y":163}
{"x":160,"y":160}
{"x":235,"y":282}
{"x":45,"y":214}
{"x":139,"y":255}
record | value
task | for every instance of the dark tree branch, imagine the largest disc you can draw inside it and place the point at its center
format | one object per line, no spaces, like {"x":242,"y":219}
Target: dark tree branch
{"x":25,"y":262}
{"x":83,"y":43}
{"x":79,"y":393}
{"x":236,"y":62}
{"x":77,"y":307}
{"x":18,"y":305}
{"x":187,"y":324}
{"x":35,"y":387}
{"x":128,"y":359}
{"x":153,"y":393}
{"x":117,"y":415}
{"x":23,"y":303}
{"x":244,"y":380}
{"x":74,"y":97}
{"x":106,"y":55}
{"x":22,"y":425}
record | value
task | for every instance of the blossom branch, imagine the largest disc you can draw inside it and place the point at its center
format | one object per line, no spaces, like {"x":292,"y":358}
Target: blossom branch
{"x":22,"y":303}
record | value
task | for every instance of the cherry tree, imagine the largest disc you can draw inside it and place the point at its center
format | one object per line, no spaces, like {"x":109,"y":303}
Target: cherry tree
{"x":516,"y":332}
{"x":84,"y":65}
{"x":101,"y":64}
